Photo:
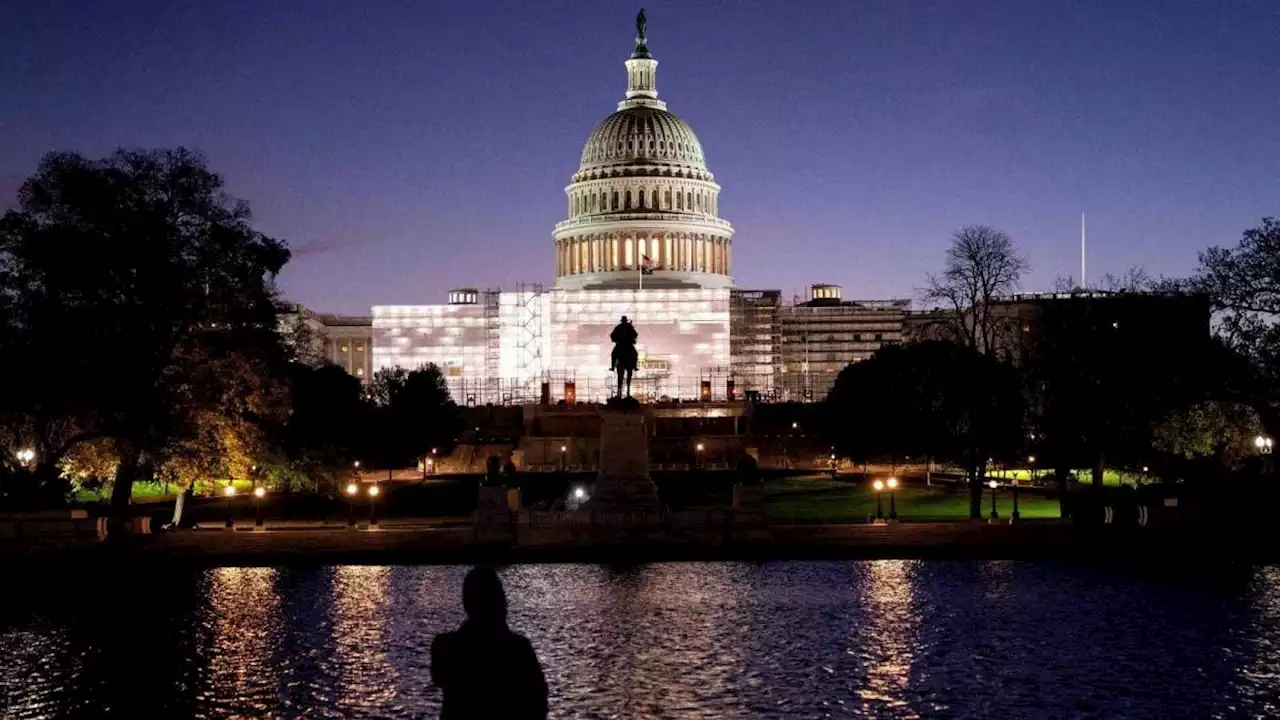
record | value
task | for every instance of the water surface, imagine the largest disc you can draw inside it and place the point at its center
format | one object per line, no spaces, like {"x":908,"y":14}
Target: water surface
{"x":798,"y":639}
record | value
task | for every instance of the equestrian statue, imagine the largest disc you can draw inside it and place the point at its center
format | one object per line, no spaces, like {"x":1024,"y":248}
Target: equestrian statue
{"x":625,"y":358}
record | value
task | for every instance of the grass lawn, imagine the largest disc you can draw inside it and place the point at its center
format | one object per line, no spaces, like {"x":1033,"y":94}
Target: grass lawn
{"x":155,"y":491}
{"x":818,"y":498}
{"x":1110,"y":478}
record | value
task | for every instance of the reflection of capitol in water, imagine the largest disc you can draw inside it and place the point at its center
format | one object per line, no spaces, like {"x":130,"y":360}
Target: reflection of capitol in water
{"x":643,"y":238}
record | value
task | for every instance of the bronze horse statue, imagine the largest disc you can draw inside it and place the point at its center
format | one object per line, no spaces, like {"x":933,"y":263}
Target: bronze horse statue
{"x":625,"y":358}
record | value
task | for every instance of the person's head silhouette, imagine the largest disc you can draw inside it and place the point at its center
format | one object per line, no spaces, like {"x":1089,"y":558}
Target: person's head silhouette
{"x":624,"y":318}
{"x":483,"y":597}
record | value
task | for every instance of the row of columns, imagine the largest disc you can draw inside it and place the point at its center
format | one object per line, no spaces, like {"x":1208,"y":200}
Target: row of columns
{"x":666,"y":251}
{"x":684,"y":200}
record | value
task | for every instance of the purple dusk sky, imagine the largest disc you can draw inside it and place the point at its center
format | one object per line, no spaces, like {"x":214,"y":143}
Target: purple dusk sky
{"x":402,"y":148}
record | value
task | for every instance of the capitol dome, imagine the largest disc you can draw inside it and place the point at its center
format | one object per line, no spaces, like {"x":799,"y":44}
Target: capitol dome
{"x":642,"y":135}
{"x":643,"y":207}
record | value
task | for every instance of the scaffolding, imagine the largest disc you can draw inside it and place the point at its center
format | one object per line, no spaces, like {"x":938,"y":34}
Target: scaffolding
{"x":529,"y":362}
{"x":820,"y":338}
{"x":492,"y":340}
{"x":755,"y":339}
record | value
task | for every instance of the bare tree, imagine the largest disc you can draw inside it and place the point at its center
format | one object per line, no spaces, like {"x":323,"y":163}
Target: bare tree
{"x":1135,"y":279}
{"x":982,"y":266}
{"x":1066,"y":284}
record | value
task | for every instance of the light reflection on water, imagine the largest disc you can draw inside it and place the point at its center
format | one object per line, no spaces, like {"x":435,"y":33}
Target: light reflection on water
{"x":802,"y":639}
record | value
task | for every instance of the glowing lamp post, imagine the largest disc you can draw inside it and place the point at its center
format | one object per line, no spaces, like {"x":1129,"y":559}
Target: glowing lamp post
{"x":993,"y":485}
{"x":698,"y":455}
{"x":258,"y":493}
{"x":892,"y":484}
{"x":25,"y":456}
{"x":352,"y":490}
{"x":230,"y":492}
{"x":563,"y":459}
{"x":879,"y":487}
{"x":373,"y":505}
{"x":1031,"y":460}
{"x":1264,"y":443}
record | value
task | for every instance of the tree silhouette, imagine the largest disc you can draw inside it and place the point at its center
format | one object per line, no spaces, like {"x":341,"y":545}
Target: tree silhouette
{"x":930,"y":399}
{"x":144,"y":296}
{"x":982,"y":266}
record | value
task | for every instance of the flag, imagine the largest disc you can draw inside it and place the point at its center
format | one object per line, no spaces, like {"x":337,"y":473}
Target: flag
{"x":646,"y":265}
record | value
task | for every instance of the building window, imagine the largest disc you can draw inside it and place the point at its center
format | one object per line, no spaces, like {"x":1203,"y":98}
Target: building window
{"x":359,"y":372}
{"x":346,"y":348}
{"x":878,"y":337}
{"x":359,"y":347}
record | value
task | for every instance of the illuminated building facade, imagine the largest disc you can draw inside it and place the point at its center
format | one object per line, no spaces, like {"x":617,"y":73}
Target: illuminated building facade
{"x":643,"y":238}
{"x":821,"y":336}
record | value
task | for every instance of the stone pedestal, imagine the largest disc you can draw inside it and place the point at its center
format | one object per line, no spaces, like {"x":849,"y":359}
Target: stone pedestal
{"x":623,"y":484}
{"x":750,"y":523}
{"x":492,"y":521}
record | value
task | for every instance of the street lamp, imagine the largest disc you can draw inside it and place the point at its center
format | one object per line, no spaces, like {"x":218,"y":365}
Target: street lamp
{"x":1264,"y":443}
{"x":993,"y":485}
{"x":698,"y":456}
{"x":564,"y":463}
{"x":25,"y":456}
{"x":879,"y":486}
{"x":352,"y":490}
{"x":1031,"y":459}
{"x":258,"y":492}
{"x":373,"y":505}
{"x":893,"y":507}
{"x":230,"y":492}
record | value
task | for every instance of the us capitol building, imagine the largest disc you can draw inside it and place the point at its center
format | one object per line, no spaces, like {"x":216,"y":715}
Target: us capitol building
{"x":643,"y":237}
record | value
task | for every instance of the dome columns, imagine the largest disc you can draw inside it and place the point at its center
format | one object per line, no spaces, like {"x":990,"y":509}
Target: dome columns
{"x":625,"y":251}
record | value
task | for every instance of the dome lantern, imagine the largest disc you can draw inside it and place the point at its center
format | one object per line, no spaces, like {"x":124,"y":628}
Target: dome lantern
{"x":642,"y":88}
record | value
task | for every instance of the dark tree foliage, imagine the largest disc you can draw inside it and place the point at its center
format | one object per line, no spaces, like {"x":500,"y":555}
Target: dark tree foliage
{"x":930,"y":399}
{"x":1243,"y":285}
{"x":327,"y":428}
{"x":414,"y":414}
{"x":139,"y":305}
{"x":1108,"y":368}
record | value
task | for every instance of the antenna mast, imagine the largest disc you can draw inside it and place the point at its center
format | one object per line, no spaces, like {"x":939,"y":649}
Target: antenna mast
{"x":1083,"y":284}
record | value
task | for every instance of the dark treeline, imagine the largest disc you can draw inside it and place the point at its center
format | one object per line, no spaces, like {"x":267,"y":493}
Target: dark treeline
{"x":1091,"y":394}
{"x":141,"y":339}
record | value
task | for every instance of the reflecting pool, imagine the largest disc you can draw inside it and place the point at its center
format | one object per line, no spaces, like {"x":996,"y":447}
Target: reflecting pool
{"x":887,"y":638}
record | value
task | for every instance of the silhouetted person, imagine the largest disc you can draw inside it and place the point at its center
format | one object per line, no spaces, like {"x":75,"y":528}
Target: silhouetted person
{"x":484,"y":669}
